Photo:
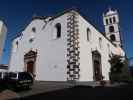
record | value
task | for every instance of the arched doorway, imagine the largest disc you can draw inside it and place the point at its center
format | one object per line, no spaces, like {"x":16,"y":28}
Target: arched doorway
{"x":97,"y":68}
{"x":30,"y":61}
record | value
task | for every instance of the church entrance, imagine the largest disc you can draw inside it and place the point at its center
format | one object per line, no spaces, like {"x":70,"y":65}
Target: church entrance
{"x":30,"y":61}
{"x":30,"y":67}
{"x":97,"y":69}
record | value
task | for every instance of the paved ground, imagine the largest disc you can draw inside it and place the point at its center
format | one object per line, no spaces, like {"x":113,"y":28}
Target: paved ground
{"x":88,"y":93}
{"x":87,"y":89}
{"x":43,"y":87}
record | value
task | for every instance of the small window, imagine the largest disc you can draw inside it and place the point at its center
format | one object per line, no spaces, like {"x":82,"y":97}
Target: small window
{"x":114,"y":20}
{"x":107,"y":22}
{"x":31,"y":40}
{"x":100,"y":42}
{"x":110,"y":20}
{"x":34,"y":29}
{"x":112,"y":37}
{"x":17,"y":44}
{"x":58,"y":30}
{"x":88,"y":34}
{"x":111,"y":29}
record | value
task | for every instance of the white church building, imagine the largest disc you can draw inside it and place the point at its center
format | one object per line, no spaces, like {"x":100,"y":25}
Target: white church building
{"x":67,"y":47}
{"x":3,"y":33}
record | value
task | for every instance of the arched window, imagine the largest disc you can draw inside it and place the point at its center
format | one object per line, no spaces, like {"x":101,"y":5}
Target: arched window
{"x":112,"y":37}
{"x":100,"y":42}
{"x":107,"y":22}
{"x":17,"y":43}
{"x":110,"y":20}
{"x":58,"y":30}
{"x":88,"y":34}
{"x":111,"y":29}
{"x":114,"y":20}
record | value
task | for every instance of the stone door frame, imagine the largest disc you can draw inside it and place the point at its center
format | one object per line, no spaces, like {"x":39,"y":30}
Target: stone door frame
{"x":96,"y":56}
{"x":30,"y":57}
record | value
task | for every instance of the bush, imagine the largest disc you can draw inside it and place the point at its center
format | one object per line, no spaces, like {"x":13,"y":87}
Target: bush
{"x":119,"y":71}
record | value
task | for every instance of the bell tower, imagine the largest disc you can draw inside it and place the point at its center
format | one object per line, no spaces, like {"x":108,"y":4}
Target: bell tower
{"x":112,"y":29}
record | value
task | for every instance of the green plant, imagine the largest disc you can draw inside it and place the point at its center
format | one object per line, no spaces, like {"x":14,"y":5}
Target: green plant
{"x":119,"y":71}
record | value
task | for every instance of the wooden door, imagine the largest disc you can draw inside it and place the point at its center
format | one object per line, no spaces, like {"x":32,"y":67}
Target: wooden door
{"x":30,"y":67}
{"x":97,"y":70}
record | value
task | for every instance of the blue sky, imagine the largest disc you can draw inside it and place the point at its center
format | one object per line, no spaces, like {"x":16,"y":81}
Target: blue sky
{"x":18,"y":13}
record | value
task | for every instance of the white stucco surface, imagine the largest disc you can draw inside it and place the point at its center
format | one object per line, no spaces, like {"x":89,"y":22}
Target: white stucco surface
{"x":51,"y":61}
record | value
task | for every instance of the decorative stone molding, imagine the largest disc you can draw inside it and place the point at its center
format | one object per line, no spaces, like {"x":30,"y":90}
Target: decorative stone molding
{"x":73,"y":47}
{"x":30,"y":56}
{"x":97,"y":66}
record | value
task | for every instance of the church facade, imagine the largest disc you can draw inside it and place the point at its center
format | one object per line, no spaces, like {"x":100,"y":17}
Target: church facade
{"x":66,"y":47}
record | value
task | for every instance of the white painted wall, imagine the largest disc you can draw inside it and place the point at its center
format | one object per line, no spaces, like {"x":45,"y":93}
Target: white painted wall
{"x":86,"y":48}
{"x":109,"y":16}
{"x":3,"y":33}
{"x":51,"y":53}
{"x":51,"y":64}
